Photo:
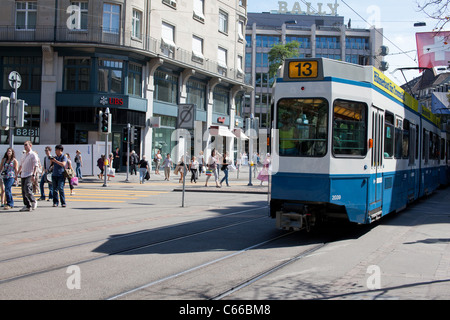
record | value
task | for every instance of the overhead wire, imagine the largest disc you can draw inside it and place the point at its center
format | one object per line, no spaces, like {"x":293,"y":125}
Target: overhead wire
{"x":378,"y":31}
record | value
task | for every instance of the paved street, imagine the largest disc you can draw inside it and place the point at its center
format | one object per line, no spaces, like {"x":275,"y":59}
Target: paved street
{"x":134,"y":241}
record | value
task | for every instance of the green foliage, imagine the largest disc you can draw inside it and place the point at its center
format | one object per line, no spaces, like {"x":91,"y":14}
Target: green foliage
{"x":280,"y":52}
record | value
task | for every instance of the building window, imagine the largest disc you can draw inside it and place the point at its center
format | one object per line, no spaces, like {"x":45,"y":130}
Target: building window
{"x":197,"y":49}
{"x":168,"y":39}
{"x":165,"y":87}
{"x":196,"y":94}
{"x":222,"y":61}
{"x":30,"y":69}
{"x":111,"y":18}
{"x":220,"y":100}
{"x":267,"y":41}
{"x":199,"y":10}
{"x":135,"y":79}
{"x":304,"y":42}
{"x":241,"y":27}
{"x":328,"y":43}
{"x":79,"y":15}
{"x":223,"y":21}
{"x":239,"y":63}
{"x":110,"y":76}
{"x":170,"y":3}
{"x":77,"y":74}
{"x":26,"y":12}
{"x":136,"y":29}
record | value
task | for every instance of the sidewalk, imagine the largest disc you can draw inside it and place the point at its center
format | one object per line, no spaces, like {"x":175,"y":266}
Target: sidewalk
{"x":237,"y":184}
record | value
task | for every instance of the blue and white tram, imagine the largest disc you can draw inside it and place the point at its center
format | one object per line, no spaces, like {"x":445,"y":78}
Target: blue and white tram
{"x":347,"y":143}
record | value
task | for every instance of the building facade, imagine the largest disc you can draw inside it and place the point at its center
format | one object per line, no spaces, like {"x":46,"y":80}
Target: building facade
{"x":141,"y":59}
{"x":320,"y":35}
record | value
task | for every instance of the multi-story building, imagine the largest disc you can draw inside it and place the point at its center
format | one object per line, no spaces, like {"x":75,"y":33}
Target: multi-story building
{"x":320,"y":34}
{"x":139,"y":58}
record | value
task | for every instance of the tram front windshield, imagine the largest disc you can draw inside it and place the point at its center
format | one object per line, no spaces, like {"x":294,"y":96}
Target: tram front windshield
{"x":302,"y":127}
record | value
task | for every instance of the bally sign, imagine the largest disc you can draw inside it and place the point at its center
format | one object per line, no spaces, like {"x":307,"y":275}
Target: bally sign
{"x":310,"y":10}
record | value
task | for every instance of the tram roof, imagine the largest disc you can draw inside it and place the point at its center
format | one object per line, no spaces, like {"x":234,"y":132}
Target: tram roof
{"x":311,"y":69}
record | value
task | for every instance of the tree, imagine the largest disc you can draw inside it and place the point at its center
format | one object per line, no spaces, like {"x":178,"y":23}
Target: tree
{"x":280,"y":52}
{"x":437,"y":10}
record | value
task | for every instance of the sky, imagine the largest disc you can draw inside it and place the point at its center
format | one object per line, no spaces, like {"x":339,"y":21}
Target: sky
{"x":396,"y":17}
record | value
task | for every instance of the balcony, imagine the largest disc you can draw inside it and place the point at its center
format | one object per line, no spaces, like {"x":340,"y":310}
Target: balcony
{"x":125,"y":40}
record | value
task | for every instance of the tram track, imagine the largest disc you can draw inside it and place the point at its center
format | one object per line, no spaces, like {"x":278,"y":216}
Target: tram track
{"x":125,"y":250}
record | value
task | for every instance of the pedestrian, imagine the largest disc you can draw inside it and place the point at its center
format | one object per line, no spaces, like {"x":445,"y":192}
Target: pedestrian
{"x":134,"y":160}
{"x":29,"y":164}
{"x":111,"y":166}
{"x":100,"y":165}
{"x":79,"y":163}
{"x":59,"y":163}
{"x":9,"y":169}
{"x":167,"y":165}
{"x":157,"y":160}
{"x":143,"y":169}
{"x":201,"y":163}
{"x":69,"y":167}
{"x":181,"y":166}
{"x":264,"y":174}
{"x":46,"y":171}
{"x":212,"y":168}
{"x":224,"y":168}
{"x":193,"y":166}
{"x":117,"y":159}
{"x":37,"y":175}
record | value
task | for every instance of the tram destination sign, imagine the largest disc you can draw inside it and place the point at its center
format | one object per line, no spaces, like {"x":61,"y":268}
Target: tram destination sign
{"x":303,"y":69}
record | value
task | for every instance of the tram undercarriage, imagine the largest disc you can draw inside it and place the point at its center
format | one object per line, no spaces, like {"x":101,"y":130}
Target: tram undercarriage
{"x":304,"y":215}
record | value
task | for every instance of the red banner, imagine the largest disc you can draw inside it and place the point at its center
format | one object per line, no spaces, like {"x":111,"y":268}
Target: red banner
{"x":433,"y":49}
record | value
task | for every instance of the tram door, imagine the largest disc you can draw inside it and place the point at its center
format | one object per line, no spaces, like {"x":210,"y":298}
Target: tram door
{"x":376,"y":177}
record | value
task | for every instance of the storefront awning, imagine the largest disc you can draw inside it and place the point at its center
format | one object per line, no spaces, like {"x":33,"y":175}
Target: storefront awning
{"x":221,"y":131}
{"x":240,"y":134}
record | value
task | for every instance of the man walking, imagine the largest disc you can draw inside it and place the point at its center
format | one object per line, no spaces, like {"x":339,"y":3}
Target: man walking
{"x":29,"y":163}
{"x":46,"y":172}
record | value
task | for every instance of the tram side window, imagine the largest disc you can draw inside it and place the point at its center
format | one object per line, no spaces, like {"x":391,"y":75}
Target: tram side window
{"x":442,"y":149}
{"x":349,"y":128}
{"x":406,"y":140}
{"x":302,"y":127}
{"x":398,"y":138}
{"x":425,"y":146}
{"x":389,"y":135}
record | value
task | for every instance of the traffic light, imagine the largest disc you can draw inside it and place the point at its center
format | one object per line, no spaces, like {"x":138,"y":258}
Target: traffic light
{"x":105,"y":122}
{"x":125,"y":134}
{"x":4,"y":112}
{"x":135,"y":135}
{"x":20,"y":113}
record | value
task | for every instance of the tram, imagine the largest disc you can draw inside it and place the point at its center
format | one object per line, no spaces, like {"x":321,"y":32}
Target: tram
{"x":348,"y":143}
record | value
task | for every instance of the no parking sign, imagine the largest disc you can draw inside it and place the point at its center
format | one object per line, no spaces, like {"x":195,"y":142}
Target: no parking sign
{"x":186,"y":116}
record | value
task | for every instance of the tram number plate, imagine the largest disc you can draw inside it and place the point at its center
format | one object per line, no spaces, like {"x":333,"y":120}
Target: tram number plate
{"x":303,"y":69}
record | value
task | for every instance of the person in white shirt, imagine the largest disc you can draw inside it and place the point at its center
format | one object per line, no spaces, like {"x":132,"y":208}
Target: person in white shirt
{"x":29,"y":164}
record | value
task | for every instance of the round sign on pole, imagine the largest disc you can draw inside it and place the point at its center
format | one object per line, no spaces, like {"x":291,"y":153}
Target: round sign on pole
{"x":15,"y":80}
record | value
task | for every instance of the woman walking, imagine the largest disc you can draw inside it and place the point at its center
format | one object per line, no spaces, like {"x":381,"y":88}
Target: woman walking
{"x":9,"y":168}
{"x":79,"y":163}
{"x":225,"y":169}
{"x":212,"y":167}
{"x":143,"y":169}
{"x":69,"y":166}
{"x":193,"y":166}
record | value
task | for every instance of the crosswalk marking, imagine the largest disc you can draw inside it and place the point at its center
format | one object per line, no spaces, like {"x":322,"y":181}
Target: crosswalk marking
{"x":97,"y":195}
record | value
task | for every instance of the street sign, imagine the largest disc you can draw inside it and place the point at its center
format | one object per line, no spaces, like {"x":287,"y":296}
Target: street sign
{"x":186,"y":116}
{"x":14,"y":79}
